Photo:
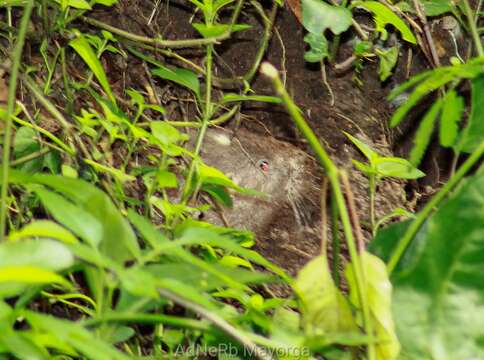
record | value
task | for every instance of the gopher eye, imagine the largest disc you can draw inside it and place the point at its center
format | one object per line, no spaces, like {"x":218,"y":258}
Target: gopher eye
{"x":263,"y":165}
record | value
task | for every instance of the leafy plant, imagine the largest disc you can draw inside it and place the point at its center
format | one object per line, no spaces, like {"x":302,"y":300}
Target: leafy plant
{"x":379,"y":167}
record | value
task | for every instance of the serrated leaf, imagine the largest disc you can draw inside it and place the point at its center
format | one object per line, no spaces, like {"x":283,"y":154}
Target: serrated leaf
{"x":383,"y":16}
{"x":379,"y":296}
{"x":452,"y":110}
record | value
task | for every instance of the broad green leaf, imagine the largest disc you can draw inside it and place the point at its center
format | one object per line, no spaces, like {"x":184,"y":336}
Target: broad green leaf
{"x":77,"y":4}
{"x":8,"y":3}
{"x":167,"y":134}
{"x":379,"y":297}
{"x":81,"y":222}
{"x":452,"y":110}
{"x":388,"y":60}
{"x":396,"y":167}
{"x":43,"y":229}
{"x":318,"y":50}
{"x":166,"y":179}
{"x":218,"y":193}
{"x":85,"y":51}
{"x":26,"y":143}
{"x":215,"y":30}
{"x":424,"y":133}
{"x":439,"y":297}
{"x":383,"y":16}
{"x":324,"y":309}
{"x":473,"y":134}
{"x":43,"y":253}
{"x":107,"y":227}
{"x":318,"y":16}
{"x":30,"y":275}
{"x":180,"y":76}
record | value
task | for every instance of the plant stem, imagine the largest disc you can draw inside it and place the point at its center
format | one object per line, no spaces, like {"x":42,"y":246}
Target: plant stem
{"x":429,"y":208}
{"x":333,"y":176}
{"x":12,"y":89}
{"x":473,"y":28}
{"x":219,"y":322}
{"x":207,"y":113}
{"x":186,"y":43}
{"x":372,"y":185}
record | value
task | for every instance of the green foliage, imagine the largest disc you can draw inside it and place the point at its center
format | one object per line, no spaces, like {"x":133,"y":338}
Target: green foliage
{"x":182,"y":77}
{"x":85,"y":51}
{"x":379,"y":293}
{"x":383,"y":16}
{"x":317,"y":17}
{"x":380,"y":166}
{"x":438,"y":285}
{"x":427,"y":82}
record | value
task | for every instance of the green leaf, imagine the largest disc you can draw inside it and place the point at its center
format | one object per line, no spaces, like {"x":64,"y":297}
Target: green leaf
{"x":116,"y":173}
{"x":166,"y":179}
{"x":397,"y":167}
{"x":214,"y":30}
{"x":87,"y":211}
{"x":379,"y":296}
{"x":439,"y":297}
{"x":43,"y":253}
{"x":85,"y":51}
{"x":180,"y":76}
{"x":77,"y":4}
{"x":324,"y":309}
{"x":424,"y":133}
{"x":388,"y":60}
{"x":43,"y":229}
{"x":369,"y":153}
{"x":430,"y":7}
{"x":383,"y":16}
{"x":318,"y":50}
{"x":30,"y":275}
{"x":473,"y":134}
{"x":81,"y":222}
{"x":26,"y":143}
{"x":167,"y":134}
{"x":452,"y":110}
{"x":73,"y":335}
{"x":319,"y":16}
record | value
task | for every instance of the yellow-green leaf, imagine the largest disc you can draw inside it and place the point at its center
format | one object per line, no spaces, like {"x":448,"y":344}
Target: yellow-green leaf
{"x":379,"y":296}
